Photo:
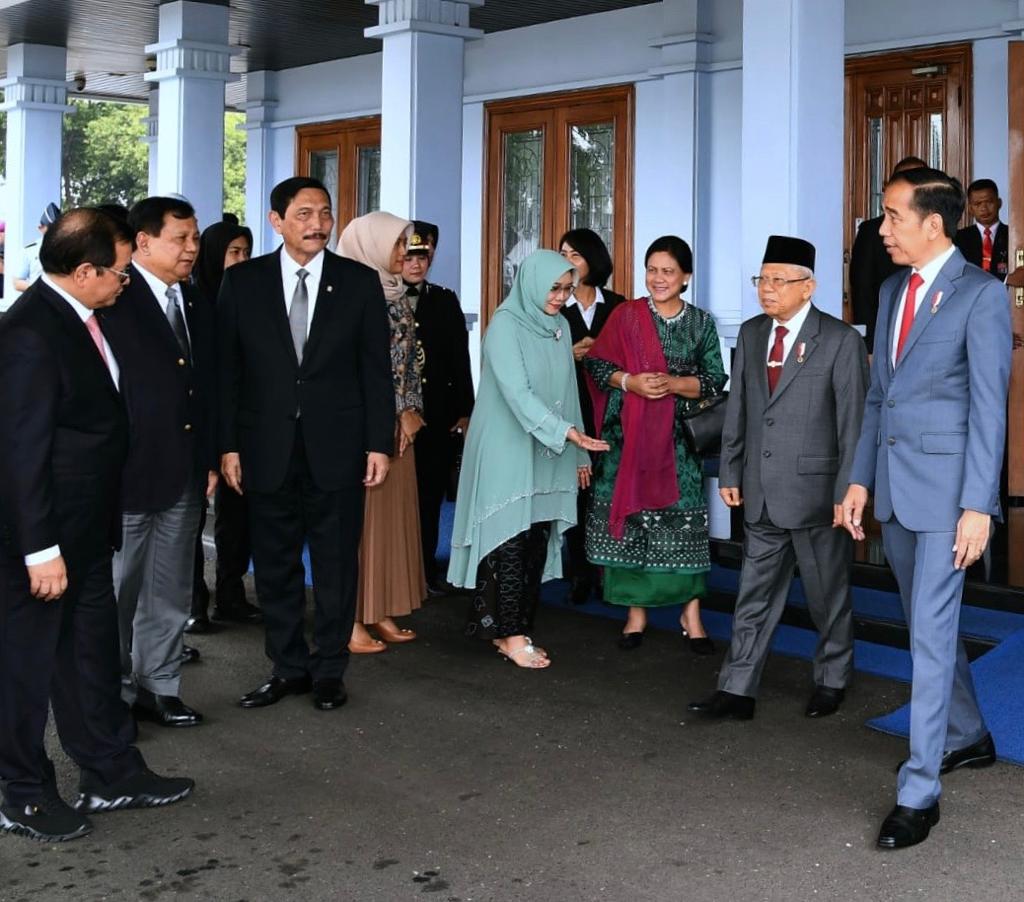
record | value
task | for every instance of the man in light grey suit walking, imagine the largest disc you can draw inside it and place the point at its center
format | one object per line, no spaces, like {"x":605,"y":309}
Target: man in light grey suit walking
{"x":794,"y":411}
{"x":931,"y":450}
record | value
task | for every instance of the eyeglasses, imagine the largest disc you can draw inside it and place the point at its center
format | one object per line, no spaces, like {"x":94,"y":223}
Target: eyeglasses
{"x":122,"y":275}
{"x":775,"y":282}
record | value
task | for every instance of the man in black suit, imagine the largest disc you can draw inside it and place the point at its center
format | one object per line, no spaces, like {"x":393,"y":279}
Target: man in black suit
{"x":987,"y":242}
{"x":443,"y":348}
{"x":65,"y":438}
{"x":871,"y":265}
{"x":586,"y":311}
{"x":307,"y":419}
{"x":162,"y":333}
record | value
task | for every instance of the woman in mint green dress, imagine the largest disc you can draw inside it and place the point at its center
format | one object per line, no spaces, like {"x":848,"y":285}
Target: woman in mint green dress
{"x":648,"y":523}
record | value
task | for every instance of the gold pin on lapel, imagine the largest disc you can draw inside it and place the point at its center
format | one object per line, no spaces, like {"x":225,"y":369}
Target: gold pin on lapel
{"x":800,"y":348}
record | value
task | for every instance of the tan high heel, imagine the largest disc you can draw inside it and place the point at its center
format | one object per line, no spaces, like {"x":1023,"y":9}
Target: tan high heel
{"x":390,"y":635}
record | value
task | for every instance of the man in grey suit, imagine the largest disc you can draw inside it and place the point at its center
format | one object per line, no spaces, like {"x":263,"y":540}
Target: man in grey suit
{"x":793,"y":417}
{"x":931,"y":450}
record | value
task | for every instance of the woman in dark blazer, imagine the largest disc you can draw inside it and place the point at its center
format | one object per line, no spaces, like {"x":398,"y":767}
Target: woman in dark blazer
{"x":587,"y":311}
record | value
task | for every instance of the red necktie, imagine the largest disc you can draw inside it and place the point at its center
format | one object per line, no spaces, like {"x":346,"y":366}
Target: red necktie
{"x":909,"y":309}
{"x":775,"y":358}
{"x":986,"y":250}
{"x":93,"y":325}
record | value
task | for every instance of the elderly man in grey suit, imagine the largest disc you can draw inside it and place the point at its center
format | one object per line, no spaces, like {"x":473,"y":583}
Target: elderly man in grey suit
{"x":931,"y":449}
{"x":793,"y":417}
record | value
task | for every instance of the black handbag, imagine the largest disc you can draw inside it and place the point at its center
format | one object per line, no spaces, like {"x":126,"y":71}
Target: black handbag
{"x":702,"y":426}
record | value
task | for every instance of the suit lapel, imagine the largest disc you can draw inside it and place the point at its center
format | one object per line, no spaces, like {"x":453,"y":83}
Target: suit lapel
{"x":150,"y":309}
{"x":807,"y":336}
{"x":80,"y":333}
{"x":940,"y":293}
{"x":278,"y":302}
{"x":764,"y":332}
{"x":894,"y":309}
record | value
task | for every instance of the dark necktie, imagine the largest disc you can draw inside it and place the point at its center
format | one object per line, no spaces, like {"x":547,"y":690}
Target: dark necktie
{"x":776,"y":358}
{"x":298,"y":314}
{"x":177,"y":320}
{"x":986,"y":250}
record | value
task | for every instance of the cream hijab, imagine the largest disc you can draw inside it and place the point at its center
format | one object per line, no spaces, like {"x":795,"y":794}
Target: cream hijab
{"x":370,"y":240}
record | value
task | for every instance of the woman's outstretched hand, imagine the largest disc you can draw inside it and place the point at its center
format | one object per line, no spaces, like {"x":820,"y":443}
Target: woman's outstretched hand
{"x":585,"y":441}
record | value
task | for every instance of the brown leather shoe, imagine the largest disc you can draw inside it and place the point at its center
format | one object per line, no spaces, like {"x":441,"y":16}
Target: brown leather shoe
{"x":367,"y":648}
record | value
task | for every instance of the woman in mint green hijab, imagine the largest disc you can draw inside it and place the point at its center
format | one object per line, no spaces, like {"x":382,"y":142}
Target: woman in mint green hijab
{"x":523,"y":460}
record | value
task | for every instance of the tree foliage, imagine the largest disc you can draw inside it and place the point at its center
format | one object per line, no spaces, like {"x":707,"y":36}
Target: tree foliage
{"x":106,"y":161}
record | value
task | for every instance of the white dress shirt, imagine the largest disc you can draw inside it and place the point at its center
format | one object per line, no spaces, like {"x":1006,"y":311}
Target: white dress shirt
{"x":794,"y":325}
{"x":290,"y":278}
{"x":159,"y":289}
{"x":928,"y":272}
{"x":588,"y":313}
{"x":49,"y":554}
{"x":992,"y":229}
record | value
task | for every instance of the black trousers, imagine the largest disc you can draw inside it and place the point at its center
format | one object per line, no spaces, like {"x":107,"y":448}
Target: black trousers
{"x":279,"y":523}
{"x":63,"y":653}
{"x":508,"y":586}
{"x":231,"y":535}
{"x":434,"y":451}
{"x":580,"y":569}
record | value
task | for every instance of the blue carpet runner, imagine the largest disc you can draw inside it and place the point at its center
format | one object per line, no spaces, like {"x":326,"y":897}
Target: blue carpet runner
{"x":998,"y":674}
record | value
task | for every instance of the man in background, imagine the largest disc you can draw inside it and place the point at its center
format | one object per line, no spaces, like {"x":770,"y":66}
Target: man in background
{"x":987,"y":242}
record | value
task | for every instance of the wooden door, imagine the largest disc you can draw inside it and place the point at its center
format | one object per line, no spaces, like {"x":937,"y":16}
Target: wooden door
{"x":1015,"y":290}
{"x":345,"y":156}
{"x":556,"y":162}
{"x":913,"y":102}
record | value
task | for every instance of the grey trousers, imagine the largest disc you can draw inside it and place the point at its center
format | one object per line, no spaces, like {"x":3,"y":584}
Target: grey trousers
{"x":824,"y":555}
{"x":944,"y":711}
{"x":153,"y":585}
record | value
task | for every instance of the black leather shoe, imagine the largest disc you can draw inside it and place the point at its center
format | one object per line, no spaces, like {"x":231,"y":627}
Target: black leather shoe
{"x":580,"y":591}
{"x":724,"y":704}
{"x":629,"y":641}
{"x":238,"y":612}
{"x":165,"y":710}
{"x":907,"y":826}
{"x":329,"y":694}
{"x":700,"y":645}
{"x":981,"y":754}
{"x":198,"y":626}
{"x":141,"y":790}
{"x":189,"y":654}
{"x":275,"y":689}
{"x":824,"y":701}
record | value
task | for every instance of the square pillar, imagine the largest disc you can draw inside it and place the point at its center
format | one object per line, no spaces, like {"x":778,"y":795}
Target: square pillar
{"x":259,"y":106}
{"x":193,"y":64}
{"x":35,"y":100}
{"x":152,"y":124}
{"x":421,"y":117}
{"x":792,"y":163}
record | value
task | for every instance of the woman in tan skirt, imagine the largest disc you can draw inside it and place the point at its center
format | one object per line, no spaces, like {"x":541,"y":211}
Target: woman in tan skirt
{"x":391,"y":576}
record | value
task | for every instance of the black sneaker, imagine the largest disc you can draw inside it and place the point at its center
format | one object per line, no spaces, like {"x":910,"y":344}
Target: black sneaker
{"x":142,"y":790}
{"x":49,"y":819}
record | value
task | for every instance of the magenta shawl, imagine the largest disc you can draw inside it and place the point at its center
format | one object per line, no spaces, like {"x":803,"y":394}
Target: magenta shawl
{"x":647,"y":478}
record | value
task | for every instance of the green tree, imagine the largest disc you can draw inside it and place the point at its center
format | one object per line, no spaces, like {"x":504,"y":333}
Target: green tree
{"x":234,"y":164}
{"x":105,"y":159}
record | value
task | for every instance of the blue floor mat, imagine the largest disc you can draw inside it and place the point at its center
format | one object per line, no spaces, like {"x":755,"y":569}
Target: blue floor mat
{"x":999,"y":682}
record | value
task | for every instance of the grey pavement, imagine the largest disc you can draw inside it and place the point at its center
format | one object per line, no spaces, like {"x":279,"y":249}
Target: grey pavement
{"x":454,"y":776}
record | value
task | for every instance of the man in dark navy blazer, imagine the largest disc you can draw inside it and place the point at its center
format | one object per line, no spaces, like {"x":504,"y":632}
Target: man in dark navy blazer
{"x":307,"y":419}
{"x":163,"y":335}
{"x":65,"y":439}
{"x":986,"y":243}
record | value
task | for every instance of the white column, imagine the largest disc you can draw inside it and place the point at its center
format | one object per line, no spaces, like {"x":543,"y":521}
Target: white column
{"x":259,"y":105}
{"x":193,"y":63}
{"x":152,"y":123}
{"x":35,"y":95}
{"x":421,"y":116}
{"x":792,"y":170}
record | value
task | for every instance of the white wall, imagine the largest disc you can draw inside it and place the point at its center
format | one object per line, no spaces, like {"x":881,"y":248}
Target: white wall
{"x":614,"y":48}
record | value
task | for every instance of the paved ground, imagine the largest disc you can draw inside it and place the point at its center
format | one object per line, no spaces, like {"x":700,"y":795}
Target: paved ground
{"x":453,"y":774}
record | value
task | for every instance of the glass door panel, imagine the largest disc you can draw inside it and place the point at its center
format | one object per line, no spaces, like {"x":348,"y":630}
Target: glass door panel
{"x":369,"y":181}
{"x":523,"y":208}
{"x":592,"y":179}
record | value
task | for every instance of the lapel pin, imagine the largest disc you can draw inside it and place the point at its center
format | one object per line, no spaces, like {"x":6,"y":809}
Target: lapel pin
{"x":330,"y":288}
{"x":936,"y":301}
{"x":800,"y":348}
